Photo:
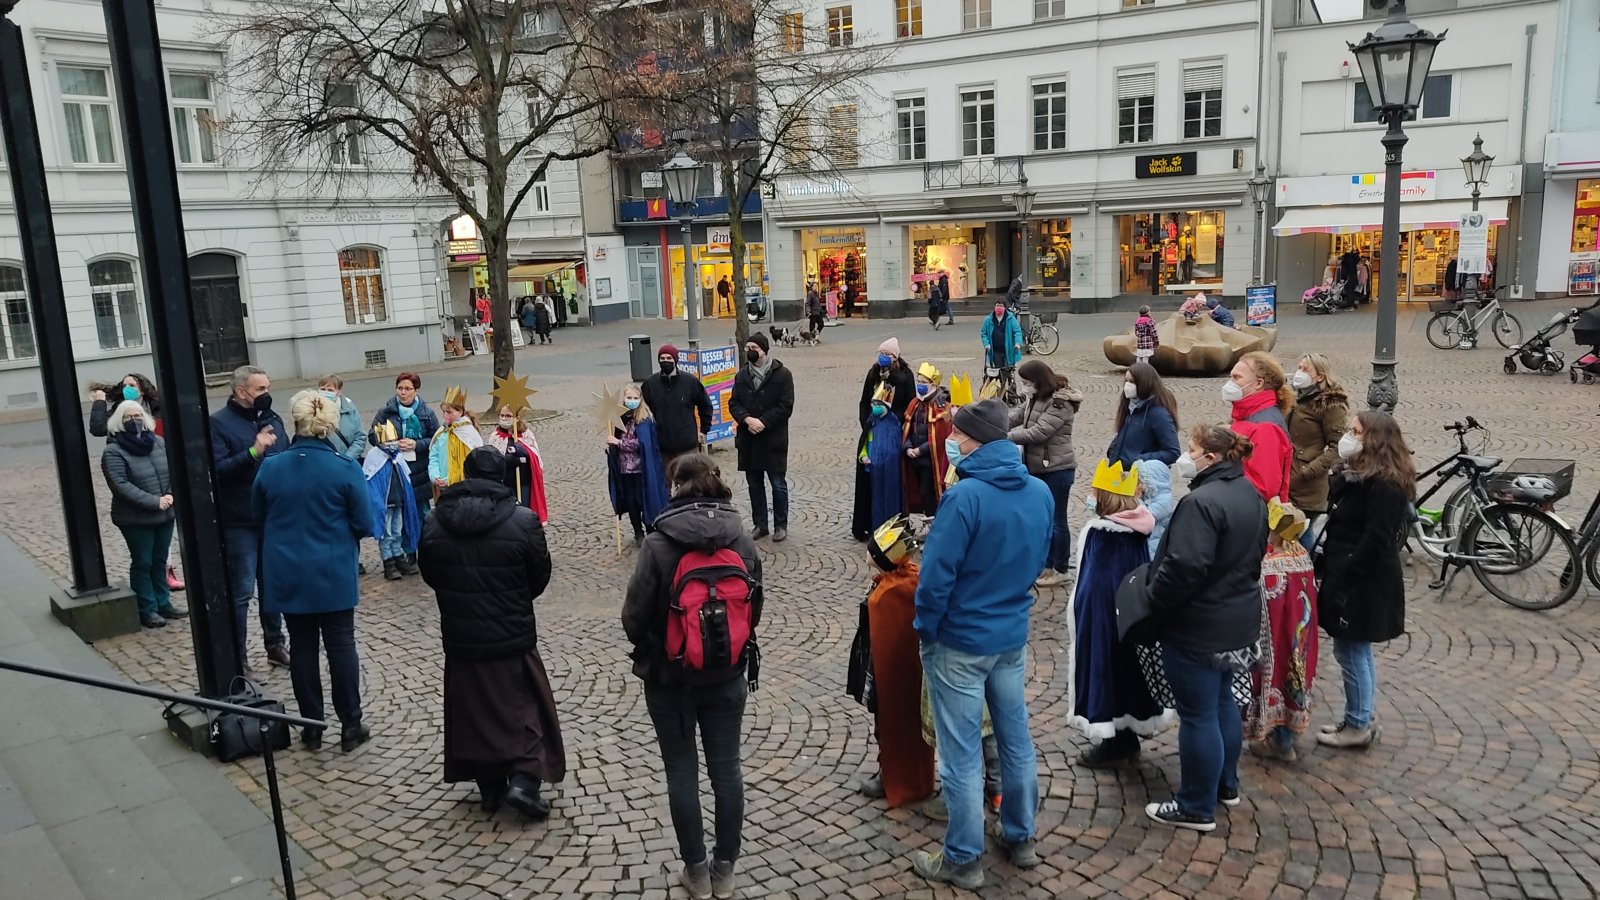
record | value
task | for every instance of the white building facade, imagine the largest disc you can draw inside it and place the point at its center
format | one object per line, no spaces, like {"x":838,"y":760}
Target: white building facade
{"x":1570,"y":176}
{"x":297,"y":275}
{"x":1132,"y":123}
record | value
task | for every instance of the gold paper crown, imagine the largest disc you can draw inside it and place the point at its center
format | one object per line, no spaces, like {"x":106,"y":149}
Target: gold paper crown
{"x":455,"y":396}
{"x":1285,"y":520}
{"x":1110,"y":477}
{"x":385,"y":433}
{"x":928,"y":371}
{"x":960,"y":390}
{"x":893,"y":542}
{"x":884,"y":394}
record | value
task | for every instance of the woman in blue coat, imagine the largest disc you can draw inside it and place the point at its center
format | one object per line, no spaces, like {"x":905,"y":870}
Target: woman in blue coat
{"x":311,"y":509}
{"x":1147,"y":420}
{"x":1002,"y":338}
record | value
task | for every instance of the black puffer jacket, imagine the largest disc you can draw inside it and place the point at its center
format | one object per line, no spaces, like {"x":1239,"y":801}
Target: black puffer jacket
{"x":1205,"y":580}
{"x":1363,"y":593}
{"x":138,"y":478}
{"x":486,"y":559}
{"x":687,"y":524}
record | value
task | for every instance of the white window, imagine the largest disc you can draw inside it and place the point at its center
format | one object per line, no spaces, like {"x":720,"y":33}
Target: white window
{"x":115,"y":297}
{"x":1202,"y":101}
{"x":540,"y":22}
{"x":1049,"y":9}
{"x":1050,"y":115}
{"x":911,"y":128}
{"x":841,"y":26}
{"x":194,"y":118}
{"x":86,"y":104}
{"x":976,"y":14}
{"x":361,"y":278}
{"x":1136,"y":107}
{"x":541,"y":192}
{"x":345,"y":144}
{"x":844,"y":146}
{"x":908,"y":18}
{"x":977,"y":122}
{"x":1437,"y":94}
{"x":16,"y":322}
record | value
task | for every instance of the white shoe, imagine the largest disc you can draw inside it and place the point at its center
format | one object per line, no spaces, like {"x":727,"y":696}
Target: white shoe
{"x":1051,"y":578}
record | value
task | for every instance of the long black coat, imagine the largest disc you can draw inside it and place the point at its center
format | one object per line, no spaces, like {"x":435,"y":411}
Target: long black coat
{"x":1363,"y":592}
{"x":905,"y":390}
{"x":772,"y":403}
{"x":681,"y":408}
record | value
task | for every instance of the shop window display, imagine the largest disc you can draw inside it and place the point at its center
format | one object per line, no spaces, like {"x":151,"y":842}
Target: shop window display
{"x":959,"y":251}
{"x":1586,"y":216}
{"x":836,"y":259}
{"x":1051,"y":263}
{"x":1425,"y":258}
{"x":1167,"y":252}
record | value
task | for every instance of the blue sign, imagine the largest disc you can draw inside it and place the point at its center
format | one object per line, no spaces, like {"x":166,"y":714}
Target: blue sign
{"x":1261,"y":304}
{"x":715,"y":367}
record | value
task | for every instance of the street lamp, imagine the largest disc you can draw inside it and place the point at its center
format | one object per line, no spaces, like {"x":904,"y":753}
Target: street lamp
{"x":682,"y":175}
{"x":1022,"y":198}
{"x":1260,"y":186}
{"x":1476,"y":167}
{"x":1394,"y":63}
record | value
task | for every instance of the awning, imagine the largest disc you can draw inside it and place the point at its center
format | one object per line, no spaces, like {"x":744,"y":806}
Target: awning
{"x":1350,"y":219}
{"x":540,"y":270}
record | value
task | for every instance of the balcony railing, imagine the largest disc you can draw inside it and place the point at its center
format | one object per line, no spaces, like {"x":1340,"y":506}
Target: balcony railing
{"x":642,"y":139}
{"x":656,"y":209}
{"x":963,"y":173}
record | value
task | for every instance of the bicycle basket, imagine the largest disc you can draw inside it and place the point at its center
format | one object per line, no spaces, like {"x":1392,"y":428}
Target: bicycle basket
{"x":1048,"y":318}
{"x":1503,"y":484}
{"x":1440,"y":306}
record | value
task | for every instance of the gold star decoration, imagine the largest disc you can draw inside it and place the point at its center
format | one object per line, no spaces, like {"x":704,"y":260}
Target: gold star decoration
{"x":511,"y":391}
{"x":607,"y":407}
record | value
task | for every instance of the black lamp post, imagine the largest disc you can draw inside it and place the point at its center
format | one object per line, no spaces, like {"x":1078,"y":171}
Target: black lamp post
{"x":1260,"y":186}
{"x":682,"y":175}
{"x":1394,"y":64}
{"x":1476,"y":167}
{"x":1022,"y":198}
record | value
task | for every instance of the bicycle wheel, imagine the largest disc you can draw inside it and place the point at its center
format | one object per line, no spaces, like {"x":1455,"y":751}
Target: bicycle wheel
{"x":1507,"y":330}
{"x":1446,"y":330}
{"x":1455,"y":512}
{"x":1522,"y":556}
{"x":1046,"y":340}
{"x":1591,"y":563}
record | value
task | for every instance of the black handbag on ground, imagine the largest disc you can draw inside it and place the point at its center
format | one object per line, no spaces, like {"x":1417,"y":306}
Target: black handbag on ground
{"x":236,"y":735}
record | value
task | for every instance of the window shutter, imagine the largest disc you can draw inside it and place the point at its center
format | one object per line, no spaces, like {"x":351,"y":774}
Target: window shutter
{"x":843,"y":141}
{"x":1202,"y":78}
{"x":1136,"y":84}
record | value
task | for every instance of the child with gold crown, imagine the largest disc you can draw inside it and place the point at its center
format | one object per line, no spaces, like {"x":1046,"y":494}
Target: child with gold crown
{"x":457,"y":437}
{"x":1107,"y":695}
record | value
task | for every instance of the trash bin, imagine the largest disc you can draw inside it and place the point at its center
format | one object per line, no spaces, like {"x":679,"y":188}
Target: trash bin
{"x":641,"y":361}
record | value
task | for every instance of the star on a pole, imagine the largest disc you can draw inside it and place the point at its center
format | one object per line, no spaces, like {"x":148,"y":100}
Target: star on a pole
{"x":607,"y":407}
{"x":511,"y":391}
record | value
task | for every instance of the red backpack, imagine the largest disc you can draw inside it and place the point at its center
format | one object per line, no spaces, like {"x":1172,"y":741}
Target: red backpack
{"x":708,"y":619}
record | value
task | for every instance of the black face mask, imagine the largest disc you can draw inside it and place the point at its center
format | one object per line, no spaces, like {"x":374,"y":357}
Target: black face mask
{"x":667,"y":368}
{"x":754,"y":356}
{"x":263,"y":403}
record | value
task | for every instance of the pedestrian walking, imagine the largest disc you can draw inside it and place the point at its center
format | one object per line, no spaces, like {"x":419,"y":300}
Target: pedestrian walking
{"x":1363,"y":597}
{"x":1042,"y":426}
{"x":1280,"y":707}
{"x":485,"y":556}
{"x":244,"y":434}
{"x":1147,"y":420}
{"x":1319,"y":418}
{"x":1145,"y":339}
{"x":927,"y":425}
{"x":543,"y":320}
{"x":312,"y":510}
{"x":944,"y":296}
{"x":680,"y":405}
{"x":1001,"y":336}
{"x":891,"y":378}
{"x":350,"y":439}
{"x":635,"y":477}
{"x":134,"y":464}
{"x":408,"y":427}
{"x":528,"y":318}
{"x":1204,"y":592}
{"x":524,"y":465}
{"x":972,"y":605}
{"x":697,"y":544}
{"x":816,"y":309}
{"x":457,"y":436}
{"x":1261,"y":401}
{"x":761,"y":404}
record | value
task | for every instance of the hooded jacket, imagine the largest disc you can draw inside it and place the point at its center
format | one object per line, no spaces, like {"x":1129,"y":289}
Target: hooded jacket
{"x":1155,"y":484}
{"x":1316,"y":423}
{"x":675,"y":402}
{"x":486,"y":559}
{"x":1043,"y":428}
{"x":1258,"y":418}
{"x":687,"y":524}
{"x":986,"y":547}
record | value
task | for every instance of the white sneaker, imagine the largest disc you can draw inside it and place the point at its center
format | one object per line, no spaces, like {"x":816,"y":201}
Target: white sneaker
{"x":1050,"y":579}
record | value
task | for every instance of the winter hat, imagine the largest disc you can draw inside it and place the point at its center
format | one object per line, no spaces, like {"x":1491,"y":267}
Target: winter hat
{"x":668,"y":350}
{"x":985,"y":421}
{"x":760,"y":340}
{"x":486,"y":463}
{"x":891,"y":347}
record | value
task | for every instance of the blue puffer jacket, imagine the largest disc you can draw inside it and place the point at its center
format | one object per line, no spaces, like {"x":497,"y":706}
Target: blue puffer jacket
{"x":977,"y":600}
{"x":1155,"y":479}
{"x":1147,"y":434}
{"x":310,"y":504}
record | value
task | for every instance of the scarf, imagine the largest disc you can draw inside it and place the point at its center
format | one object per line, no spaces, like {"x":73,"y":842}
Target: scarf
{"x":139,"y":442}
{"x":758,"y":373}
{"x":461,"y":438}
{"x":380,"y":466}
{"x":410,"y":425}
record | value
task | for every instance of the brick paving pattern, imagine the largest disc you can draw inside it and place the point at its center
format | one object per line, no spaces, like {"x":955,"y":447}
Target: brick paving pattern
{"x":1484,"y":783}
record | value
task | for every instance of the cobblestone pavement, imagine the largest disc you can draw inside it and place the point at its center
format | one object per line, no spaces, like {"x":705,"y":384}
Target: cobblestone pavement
{"x":1484,"y":783}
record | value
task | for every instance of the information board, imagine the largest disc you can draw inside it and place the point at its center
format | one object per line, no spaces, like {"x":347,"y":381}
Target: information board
{"x":1472,"y":256}
{"x":1581,"y":277}
{"x":1261,"y":304}
{"x":715,"y":367}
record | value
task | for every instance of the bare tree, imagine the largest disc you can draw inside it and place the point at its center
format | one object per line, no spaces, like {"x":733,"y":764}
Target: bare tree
{"x":478,"y":97}
{"x":761,"y":96}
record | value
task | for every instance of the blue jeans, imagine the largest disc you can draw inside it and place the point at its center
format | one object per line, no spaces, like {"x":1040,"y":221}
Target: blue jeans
{"x":1060,"y":484}
{"x":337,"y":631}
{"x":958,"y":685}
{"x":1209,"y":729}
{"x":148,"y":546}
{"x":758,"y":498}
{"x":1360,"y":681}
{"x":243,"y":546}
{"x":392,"y":544}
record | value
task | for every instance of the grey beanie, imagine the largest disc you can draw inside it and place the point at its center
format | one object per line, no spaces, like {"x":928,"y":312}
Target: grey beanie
{"x":985,"y":421}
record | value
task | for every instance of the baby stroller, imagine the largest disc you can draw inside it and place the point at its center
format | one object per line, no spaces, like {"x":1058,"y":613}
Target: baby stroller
{"x":1537,"y":353}
{"x":1586,"y":331}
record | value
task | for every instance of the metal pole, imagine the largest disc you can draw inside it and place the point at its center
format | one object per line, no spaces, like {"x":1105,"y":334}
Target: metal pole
{"x":1258,"y":247}
{"x":1384,"y":391}
{"x":48,"y":304}
{"x":691,"y":303}
{"x":1469,"y":288}
{"x":277,"y":809}
{"x":164,"y":266}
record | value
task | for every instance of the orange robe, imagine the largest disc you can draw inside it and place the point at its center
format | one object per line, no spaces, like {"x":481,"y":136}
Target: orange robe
{"x":905,"y":760}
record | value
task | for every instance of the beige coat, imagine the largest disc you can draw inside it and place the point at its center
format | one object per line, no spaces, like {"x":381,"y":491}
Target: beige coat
{"x":1044,"y":430}
{"x":1315,"y":425}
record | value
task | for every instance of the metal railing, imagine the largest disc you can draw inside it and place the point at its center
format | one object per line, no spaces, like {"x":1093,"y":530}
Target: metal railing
{"x":978,"y":172}
{"x":264,"y":717}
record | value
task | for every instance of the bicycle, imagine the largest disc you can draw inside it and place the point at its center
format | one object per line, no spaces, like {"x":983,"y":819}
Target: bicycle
{"x":1450,"y":327}
{"x":999,"y":383}
{"x":1040,"y":337}
{"x":1502,"y":541}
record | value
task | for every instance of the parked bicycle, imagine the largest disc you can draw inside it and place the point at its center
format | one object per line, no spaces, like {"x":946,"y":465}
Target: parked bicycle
{"x":1451,"y":327}
{"x":1040,"y":336}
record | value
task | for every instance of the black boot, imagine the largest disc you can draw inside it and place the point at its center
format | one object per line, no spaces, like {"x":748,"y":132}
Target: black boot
{"x":1122,"y":746}
{"x":408,"y":564}
{"x":492,"y":794}
{"x":522,"y":795}
{"x":391,"y":569}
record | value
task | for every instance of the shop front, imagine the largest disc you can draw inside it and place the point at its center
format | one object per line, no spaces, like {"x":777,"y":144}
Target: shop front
{"x":1170,"y":251}
{"x":1050,"y":262}
{"x":957,"y":250}
{"x":836,"y":261}
{"x":712,"y":274}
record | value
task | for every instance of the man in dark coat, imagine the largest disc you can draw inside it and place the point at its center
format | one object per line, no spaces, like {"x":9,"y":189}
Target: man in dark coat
{"x":676,"y":399}
{"x":486,"y":559}
{"x":762,"y":401}
{"x":243,"y":433}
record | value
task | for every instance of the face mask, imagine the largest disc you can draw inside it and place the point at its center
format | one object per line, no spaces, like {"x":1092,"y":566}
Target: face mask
{"x":263,"y":403}
{"x":1130,"y":390}
{"x":884,"y":360}
{"x":1185,"y":467}
{"x":999,"y":311}
{"x":1349,"y":446}
{"x":133,"y":426}
{"x":754,"y":356}
{"x":924,"y":390}
{"x":1301,"y":380}
{"x":506,"y":422}
{"x":331,"y":395}
{"x":879,"y":409}
{"x":631,"y":403}
{"x":129,"y":392}
{"x":667,"y":367}
{"x":1232,"y":392}
{"x":952,"y":450}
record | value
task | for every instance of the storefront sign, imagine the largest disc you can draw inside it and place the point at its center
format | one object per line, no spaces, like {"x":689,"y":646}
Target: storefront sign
{"x":1166,"y":165}
{"x":1581,"y":277}
{"x":463,"y":239}
{"x":719,"y":240}
{"x":715,"y":367}
{"x":816,"y":189}
{"x":849,"y":237}
{"x":650,"y":178}
{"x":1083,"y":267}
{"x":1368,"y":187}
{"x":1261,"y":304}
{"x":480,"y":277}
{"x":1472,"y":255}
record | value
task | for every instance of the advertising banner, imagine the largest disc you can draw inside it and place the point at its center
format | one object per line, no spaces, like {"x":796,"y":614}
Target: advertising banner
{"x":1261,"y":304}
{"x":715,"y":367}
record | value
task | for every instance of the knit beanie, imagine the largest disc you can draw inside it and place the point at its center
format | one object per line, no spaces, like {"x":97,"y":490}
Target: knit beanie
{"x":668,"y":350}
{"x":486,"y":463}
{"x":760,"y":340}
{"x":985,"y":421}
{"x":891,"y":347}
